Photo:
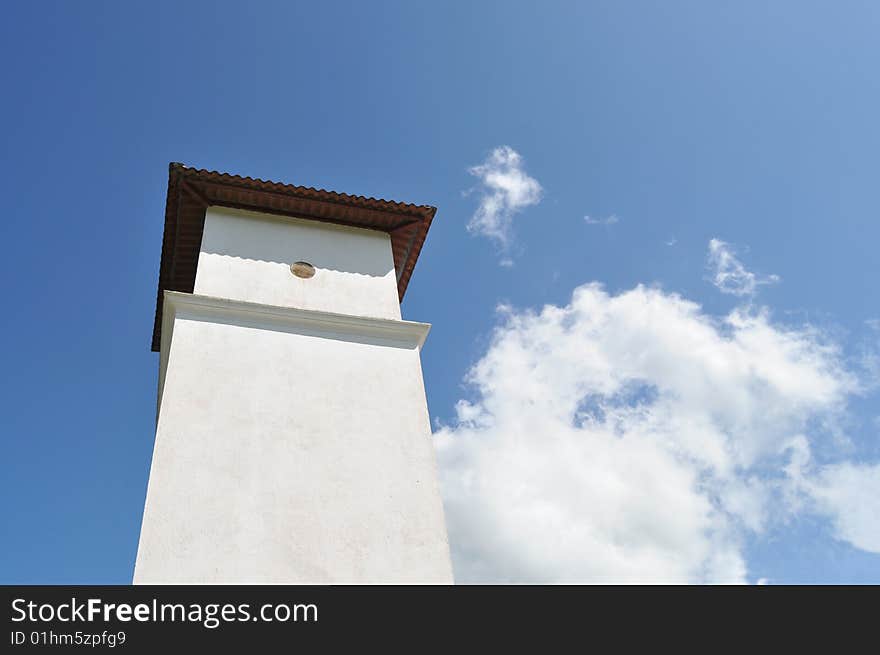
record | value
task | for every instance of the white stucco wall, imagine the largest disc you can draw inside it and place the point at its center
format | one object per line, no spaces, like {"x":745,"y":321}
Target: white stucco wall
{"x":247,"y":256}
{"x":292,"y":446}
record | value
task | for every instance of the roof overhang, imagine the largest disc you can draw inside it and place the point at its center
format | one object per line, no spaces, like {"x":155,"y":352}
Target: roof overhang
{"x":191,"y":191}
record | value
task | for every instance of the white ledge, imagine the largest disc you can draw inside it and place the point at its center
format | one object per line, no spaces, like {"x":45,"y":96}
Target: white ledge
{"x":405,"y":334}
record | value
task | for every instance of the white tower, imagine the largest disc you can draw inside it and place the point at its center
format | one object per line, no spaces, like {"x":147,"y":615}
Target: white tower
{"x":293,"y":443}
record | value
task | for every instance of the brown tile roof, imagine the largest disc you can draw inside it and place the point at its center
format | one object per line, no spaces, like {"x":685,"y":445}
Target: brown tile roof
{"x":191,"y":191}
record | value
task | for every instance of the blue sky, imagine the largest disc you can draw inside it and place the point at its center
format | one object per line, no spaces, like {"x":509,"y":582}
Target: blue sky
{"x":751,"y":123}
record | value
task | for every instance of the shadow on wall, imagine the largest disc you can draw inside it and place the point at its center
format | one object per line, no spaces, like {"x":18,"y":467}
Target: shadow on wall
{"x":282,"y":240}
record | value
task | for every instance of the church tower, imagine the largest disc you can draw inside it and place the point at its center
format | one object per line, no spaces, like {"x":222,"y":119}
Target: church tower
{"x":293,"y":443}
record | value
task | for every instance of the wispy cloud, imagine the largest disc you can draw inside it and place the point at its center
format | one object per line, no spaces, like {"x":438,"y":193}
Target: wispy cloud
{"x":671,"y":241}
{"x":728,"y":273}
{"x":608,"y":220}
{"x":849,"y":493}
{"x":505,"y":189}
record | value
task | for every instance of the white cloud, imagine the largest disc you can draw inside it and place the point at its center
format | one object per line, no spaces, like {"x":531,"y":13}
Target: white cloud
{"x":505,"y":189}
{"x":608,"y":220}
{"x":850,"y":494}
{"x":728,"y":273}
{"x":634,"y":438}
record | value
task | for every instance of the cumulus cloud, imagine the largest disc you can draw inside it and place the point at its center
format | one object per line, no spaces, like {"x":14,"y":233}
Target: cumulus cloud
{"x":728,"y":273}
{"x":634,"y":438}
{"x":505,"y":189}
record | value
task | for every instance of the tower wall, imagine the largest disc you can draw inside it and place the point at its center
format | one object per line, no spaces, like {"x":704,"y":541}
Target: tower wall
{"x":247,"y":256}
{"x":293,"y":442}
